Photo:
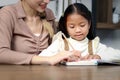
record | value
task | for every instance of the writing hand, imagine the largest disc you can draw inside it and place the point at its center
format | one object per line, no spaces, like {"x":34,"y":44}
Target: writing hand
{"x":64,"y":56}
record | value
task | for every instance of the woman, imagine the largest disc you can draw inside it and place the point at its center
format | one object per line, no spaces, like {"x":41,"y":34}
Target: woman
{"x":26,"y":28}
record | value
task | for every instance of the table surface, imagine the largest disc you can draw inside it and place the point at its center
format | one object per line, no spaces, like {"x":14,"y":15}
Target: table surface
{"x":46,"y":72}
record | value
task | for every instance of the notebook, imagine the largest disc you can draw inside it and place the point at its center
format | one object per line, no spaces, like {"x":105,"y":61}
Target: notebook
{"x":91,"y":62}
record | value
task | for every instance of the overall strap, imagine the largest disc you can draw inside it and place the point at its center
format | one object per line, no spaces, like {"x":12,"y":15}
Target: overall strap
{"x":90,"y":47}
{"x":66,"y":45}
{"x":90,"y":50}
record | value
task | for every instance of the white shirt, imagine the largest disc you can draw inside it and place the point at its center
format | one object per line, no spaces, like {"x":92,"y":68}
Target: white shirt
{"x":106,"y":53}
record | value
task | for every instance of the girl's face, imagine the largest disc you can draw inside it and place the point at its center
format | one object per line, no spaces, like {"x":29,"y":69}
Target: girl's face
{"x":38,"y":5}
{"x":77,"y":26}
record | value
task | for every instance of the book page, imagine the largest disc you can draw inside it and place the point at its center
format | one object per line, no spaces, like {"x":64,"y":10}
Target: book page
{"x":83,"y":62}
{"x":91,"y":62}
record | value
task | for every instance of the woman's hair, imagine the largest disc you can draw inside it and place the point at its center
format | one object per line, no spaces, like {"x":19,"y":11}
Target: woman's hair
{"x":47,"y":26}
{"x":83,"y":11}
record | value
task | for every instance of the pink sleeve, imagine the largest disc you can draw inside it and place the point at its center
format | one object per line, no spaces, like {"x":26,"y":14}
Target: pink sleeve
{"x":6,"y":29}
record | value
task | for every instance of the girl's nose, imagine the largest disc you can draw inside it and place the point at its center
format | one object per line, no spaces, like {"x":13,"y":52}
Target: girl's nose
{"x":78,"y":29}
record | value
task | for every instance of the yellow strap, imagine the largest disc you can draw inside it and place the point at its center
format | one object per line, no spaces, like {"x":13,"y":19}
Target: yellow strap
{"x":90,"y":47}
{"x":66,"y":45}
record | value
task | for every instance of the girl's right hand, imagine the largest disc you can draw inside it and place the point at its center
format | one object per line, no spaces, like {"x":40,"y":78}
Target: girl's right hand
{"x":65,"y":55}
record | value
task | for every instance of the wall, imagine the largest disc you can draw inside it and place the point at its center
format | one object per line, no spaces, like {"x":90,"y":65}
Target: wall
{"x":109,"y":37}
{"x":61,"y":5}
{"x":6,"y":2}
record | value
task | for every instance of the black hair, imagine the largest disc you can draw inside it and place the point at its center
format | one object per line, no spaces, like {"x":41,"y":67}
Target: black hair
{"x":83,"y":11}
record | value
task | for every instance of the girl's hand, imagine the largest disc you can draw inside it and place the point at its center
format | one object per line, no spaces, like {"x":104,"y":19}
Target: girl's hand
{"x":75,"y":57}
{"x":65,"y":56}
{"x":88,"y":57}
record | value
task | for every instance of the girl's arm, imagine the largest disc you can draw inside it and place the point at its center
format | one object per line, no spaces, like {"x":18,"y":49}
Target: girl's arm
{"x":52,"y":60}
{"x":108,"y":53}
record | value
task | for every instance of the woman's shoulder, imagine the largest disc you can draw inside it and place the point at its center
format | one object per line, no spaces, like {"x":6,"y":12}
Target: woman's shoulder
{"x":49,"y":10}
{"x":8,"y":11}
{"x":49,"y":14}
{"x":9,"y":8}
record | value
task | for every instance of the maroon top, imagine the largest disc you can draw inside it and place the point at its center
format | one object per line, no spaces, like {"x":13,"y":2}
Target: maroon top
{"x":17,"y":42}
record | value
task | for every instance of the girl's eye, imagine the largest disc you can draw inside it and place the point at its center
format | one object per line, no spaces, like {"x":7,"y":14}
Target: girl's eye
{"x":82,"y":25}
{"x":71,"y":26}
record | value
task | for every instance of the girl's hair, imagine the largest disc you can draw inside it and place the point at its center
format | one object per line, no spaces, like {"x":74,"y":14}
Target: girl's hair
{"x":47,"y":26}
{"x":83,"y":11}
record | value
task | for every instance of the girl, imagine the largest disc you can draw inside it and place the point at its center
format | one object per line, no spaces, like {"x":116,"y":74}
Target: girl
{"x":77,"y":33}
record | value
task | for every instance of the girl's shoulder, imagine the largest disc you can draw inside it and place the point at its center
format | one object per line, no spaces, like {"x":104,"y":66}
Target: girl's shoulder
{"x":58,"y":35}
{"x":95,"y":42}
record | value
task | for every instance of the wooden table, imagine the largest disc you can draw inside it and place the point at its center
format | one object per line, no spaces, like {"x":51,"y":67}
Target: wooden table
{"x":45,"y":72}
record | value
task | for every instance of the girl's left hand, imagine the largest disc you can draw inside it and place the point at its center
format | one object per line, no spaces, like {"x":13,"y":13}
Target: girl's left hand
{"x":88,"y":57}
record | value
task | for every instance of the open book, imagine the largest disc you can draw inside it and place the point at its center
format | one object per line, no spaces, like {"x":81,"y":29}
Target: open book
{"x":91,"y":62}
